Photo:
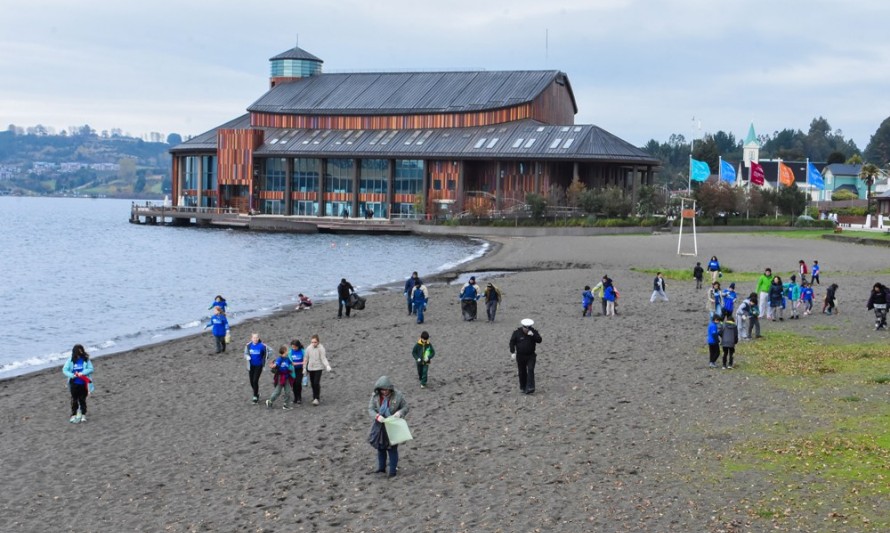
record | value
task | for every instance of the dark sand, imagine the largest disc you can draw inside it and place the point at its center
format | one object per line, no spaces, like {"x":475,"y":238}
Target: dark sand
{"x":625,"y":407}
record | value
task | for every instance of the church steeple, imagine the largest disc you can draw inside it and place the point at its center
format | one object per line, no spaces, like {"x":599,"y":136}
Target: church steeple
{"x":751,"y":148}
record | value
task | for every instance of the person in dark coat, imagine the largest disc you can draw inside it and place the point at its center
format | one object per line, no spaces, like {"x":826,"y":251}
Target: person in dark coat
{"x":344,"y":289}
{"x":522,"y":350}
{"x":409,"y":286}
{"x":469,"y":294}
{"x":877,"y":300}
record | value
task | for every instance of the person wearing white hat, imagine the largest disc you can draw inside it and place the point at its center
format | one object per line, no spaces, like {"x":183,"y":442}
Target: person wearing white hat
{"x":522,"y":350}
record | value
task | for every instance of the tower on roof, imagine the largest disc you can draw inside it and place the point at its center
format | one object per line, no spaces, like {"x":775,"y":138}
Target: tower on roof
{"x":751,"y":148}
{"x":294,"y":64}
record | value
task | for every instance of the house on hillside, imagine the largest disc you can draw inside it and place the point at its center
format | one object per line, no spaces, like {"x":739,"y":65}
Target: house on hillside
{"x":391,"y":144}
{"x":841,"y":176}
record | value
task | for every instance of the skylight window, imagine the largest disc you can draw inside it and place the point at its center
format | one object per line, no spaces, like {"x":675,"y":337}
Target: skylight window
{"x":425,"y":137}
{"x":518,"y":142}
{"x":555,"y":143}
{"x":577,"y":128}
{"x":389,"y":137}
{"x":492,"y":142}
{"x":413,"y":137}
{"x":564,"y":128}
{"x":480,"y":142}
{"x":529,"y":143}
{"x":569,"y":142}
{"x":377,"y":136}
{"x":540,"y":128}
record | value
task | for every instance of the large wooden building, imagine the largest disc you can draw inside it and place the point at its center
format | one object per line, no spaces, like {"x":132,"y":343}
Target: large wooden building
{"x":391,"y":143}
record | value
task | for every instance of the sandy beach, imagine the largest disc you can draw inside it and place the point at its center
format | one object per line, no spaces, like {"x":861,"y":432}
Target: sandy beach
{"x":624,"y":408}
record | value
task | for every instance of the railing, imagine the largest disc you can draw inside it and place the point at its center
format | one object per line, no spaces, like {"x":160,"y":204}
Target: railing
{"x":149,"y":207}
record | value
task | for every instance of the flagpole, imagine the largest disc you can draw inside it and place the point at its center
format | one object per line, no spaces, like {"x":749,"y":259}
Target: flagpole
{"x":720,"y":166}
{"x":689,"y":185}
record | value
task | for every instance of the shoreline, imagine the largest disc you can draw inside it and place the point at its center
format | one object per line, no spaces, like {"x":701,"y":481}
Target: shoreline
{"x":623,"y":407}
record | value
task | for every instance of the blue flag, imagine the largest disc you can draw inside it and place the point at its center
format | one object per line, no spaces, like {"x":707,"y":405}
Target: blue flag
{"x":727,"y":173}
{"x":700,"y":170}
{"x":814,"y":177}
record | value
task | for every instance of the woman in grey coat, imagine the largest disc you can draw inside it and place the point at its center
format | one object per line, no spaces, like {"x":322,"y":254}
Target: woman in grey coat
{"x":386,"y":402}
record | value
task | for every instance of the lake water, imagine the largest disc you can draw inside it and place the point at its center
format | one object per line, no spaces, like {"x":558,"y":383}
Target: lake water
{"x":76,"y":271}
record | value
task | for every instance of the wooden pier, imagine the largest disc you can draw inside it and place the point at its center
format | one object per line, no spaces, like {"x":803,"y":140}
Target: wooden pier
{"x":159,"y":214}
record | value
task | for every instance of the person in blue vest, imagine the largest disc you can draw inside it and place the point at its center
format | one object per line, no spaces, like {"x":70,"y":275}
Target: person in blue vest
{"x":255,"y":354}
{"x":409,"y":286}
{"x":220,"y":326}
{"x":283,"y":379}
{"x":714,"y":335}
{"x":714,"y":268}
{"x":78,"y":370}
{"x":469,"y":294}
{"x":220,"y":302}
{"x":297,"y":354}
{"x":419,"y":298}
{"x":729,"y":298}
{"x":586,"y":302}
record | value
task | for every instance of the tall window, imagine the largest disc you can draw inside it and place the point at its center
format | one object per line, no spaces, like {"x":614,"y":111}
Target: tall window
{"x":275,"y":174}
{"x":306,"y":172}
{"x":191,"y":172}
{"x":339,"y":177}
{"x":208,"y":173}
{"x":408,"y":176}
{"x":375,"y":174}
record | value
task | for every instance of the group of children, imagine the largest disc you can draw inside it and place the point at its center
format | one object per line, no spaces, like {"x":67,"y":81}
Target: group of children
{"x":608,"y":294}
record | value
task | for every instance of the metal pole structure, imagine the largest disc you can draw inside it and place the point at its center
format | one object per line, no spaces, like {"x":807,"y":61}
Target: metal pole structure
{"x":694,"y":232}
{"x":680,"y":239}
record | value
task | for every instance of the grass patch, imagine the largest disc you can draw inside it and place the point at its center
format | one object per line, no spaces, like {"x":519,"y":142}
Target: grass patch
{"x":796,"y":234}
{"x":831,"y":468}
{"x":825,"y":327}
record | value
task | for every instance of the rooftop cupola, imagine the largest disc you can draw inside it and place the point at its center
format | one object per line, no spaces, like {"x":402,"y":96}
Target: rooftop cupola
{"x":293,"y":65}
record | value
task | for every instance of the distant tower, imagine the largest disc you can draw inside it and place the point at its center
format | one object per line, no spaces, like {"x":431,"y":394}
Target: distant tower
{"x":293,"y":65}
{"x":751,"y":148}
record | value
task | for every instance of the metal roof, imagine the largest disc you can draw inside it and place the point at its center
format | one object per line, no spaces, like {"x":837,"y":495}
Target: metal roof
{"x":296,"y":53}
{"x":519,"y":140}
{"x":367,"y":93}
{"x":207,"y":140}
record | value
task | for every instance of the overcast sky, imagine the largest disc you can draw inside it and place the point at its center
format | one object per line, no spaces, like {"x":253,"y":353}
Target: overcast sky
{"x":639,"y":69}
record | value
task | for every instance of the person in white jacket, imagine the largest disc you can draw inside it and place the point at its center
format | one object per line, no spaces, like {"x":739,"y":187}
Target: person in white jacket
{"x":315,"y":362}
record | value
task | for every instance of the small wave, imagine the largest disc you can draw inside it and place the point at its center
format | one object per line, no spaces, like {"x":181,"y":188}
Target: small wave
{"x":188,"y":325}
{"x":475,"y":255}
{"x":25,"y":365}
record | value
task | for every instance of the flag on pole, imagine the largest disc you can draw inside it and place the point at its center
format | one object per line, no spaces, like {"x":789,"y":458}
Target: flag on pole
{"x":727,"y":173}
{"x":756,"y":173}
{"x":786,"y":175}
{"x":699,"y":170}
{"x":814,"y":177}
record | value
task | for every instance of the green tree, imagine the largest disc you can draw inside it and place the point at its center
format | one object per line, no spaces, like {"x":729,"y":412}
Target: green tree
{"x":878,"y":149}
{"x":836,"y":157}
{"x":868,"y":174}
{"x":174,"y":138}
{"x":790,"y":200}
{"x":715,"y":196}
{"x":139,"y":186}
{"x":127,"y":168}
{"x":536,"y":204}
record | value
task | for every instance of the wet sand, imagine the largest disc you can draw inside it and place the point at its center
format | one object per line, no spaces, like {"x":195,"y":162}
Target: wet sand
{"x":608,"y":442}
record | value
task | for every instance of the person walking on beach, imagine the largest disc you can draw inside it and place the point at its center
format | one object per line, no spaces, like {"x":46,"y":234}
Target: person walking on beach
{"x":283,"y":377}
{"x":385,"y":402}
{"x":658,"y":287}
{"x":344,"y":289}
{"x":802,"y":270}
{"x":220,"y":302}
{"x":714,"y":268}
{"x":600,"y":290}
{"x":729,"y":337}
{"x":715,"y":300}
{"x":419,"y":298}
{"x":713,"y":341}
{"x":492,"y":297}
{"x":609,"y":297}
{"x":793,"y":292}
{"x":753,"y":313}
{"x":806,"y":296}
{"x":78,"y":370}
{"x":219,"y":328}
{"x":522,"y":350}
{"x":830,"y":303}
{"x":423,"y":353}
{"x":297,"y":354}
{"x":469,"y":294}
{"x":877,"y":301}
{"x":729,"y":298}
{"x":586,"y":302}
{"x":409,"y":286}
{"x":255,"y":353}
{"x":698,"y":273}
{"x":315,"y":362}
{"x":763,"y":284}
{"x":815,"y":270}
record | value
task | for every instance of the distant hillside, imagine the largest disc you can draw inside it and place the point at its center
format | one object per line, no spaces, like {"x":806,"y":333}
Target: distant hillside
{"x":84,"y":164}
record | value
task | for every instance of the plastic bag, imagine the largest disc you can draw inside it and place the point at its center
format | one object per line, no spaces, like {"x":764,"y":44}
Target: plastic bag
{"x":228,"y":337}
{"x":397,"y":430}
{"x":305,"y":381}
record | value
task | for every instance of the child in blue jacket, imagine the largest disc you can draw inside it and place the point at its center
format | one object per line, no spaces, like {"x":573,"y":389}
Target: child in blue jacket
{"x":587,"y":301}
{"x":714,"y":341}
{"x":283,"y":377}
{"x":220,"y":326}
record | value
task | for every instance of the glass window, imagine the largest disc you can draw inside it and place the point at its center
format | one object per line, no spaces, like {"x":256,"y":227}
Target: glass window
{"x":375,"y":174}
{"x":305,"y":208}
{"x":208,"y":173}
{"x":555,"y":143}
{"x":306,"y":172}
{"x":191,"y":172}
{"x":518,"y":142}
{"x":408,"y":176}
{"x":492,"y":142}
{"x":272,"y":207}
{"x":339,"y":177}
{"x":480,"y":142}
{"x":275,"y":174}
{"x":529,"y":143}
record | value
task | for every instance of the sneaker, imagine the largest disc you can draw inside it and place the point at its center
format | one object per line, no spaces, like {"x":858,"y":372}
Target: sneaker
{"x":254,"y":400}
{"x":729,"y":367}
{"x":422,"y":386}
{"x":269,"y":404}
{"x":299,"y":402}
{"x":73,"y":419}
{"x":287,"y":408}
{"x":315,"y":402}
{"x":724,"y":368}
{"x":83,"y":418}
{"x":712,"y":365}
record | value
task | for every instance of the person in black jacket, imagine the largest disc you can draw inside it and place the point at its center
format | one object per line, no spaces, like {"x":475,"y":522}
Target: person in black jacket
{"x":522,"y":350}
{"x":344,"y":289}
{"x":878,"y":300}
